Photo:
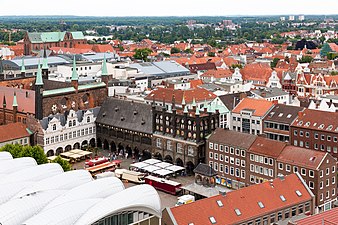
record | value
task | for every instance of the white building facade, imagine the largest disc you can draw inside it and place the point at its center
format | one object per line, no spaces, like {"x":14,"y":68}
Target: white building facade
{"x":63,"y":133}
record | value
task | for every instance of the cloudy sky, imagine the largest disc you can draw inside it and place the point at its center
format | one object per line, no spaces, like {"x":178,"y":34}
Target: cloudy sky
{"x":167,"y":8}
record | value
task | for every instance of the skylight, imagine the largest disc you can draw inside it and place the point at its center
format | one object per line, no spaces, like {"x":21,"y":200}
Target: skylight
{"x":321,"y":126}
{"x":212,"y":219}
{"x":288,"y":116}
{"x":219,"y":203}
{"x":280,"y":115}
{"x":261,"y":205}
{"x":282,"y":198}
{"x":238,"y":212}
{"x":298,"y":193}
{"x":329,"y":127}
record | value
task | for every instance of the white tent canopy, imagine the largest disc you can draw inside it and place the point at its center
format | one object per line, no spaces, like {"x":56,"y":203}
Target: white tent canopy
{"x":163,"y":172}
{"x":5,"y":156}
{"x":151,"y":168}
{"x":151,"y":161}
{"x":139,"y":165}
{"x":163,"y":164}
{"x":175,"y":168}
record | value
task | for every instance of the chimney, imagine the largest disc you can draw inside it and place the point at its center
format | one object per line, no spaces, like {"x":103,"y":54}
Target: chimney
{"x":222,"y":192}
{"x":242,"y":95}
{"x":300,"y":114}
{"x":281,"y":177}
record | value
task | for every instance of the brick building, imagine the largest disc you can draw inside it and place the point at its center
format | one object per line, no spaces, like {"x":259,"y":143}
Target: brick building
{"x":274,"y":202}
{"x":233,"y":154}
{"x":34,"y":42}
{"x":318,"y":169}
{"x":278,"y":121}
{"x":316,"y":130}
{"x":41,"y":97}
{"x":179,"y":135}
{"x":227,"y":153}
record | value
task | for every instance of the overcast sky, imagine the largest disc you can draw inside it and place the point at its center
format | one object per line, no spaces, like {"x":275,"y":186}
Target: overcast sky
{"x":167,"y":8}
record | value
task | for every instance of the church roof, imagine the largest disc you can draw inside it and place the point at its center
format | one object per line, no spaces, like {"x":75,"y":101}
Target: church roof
{"x":47,"y":37}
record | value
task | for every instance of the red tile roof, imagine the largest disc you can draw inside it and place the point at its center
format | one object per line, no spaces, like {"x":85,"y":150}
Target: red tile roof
{"x":317,"y":120}
{"x":13,"y":131}
{"x":260,"y":106}
{"x":200,"y":95}
{"x":25,"y":104}
{"x":329,"y":217}
{"x":246,"y":201}
{"x":103,"y":48}
{"x":257,"y":71}
{"x":195,"y":83}
{"x":220,"y":73}
{"x":264,"y":146}
{"x":301,"y":156}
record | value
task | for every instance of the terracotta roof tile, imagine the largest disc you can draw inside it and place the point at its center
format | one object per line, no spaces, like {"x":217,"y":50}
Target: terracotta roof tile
{"x":246,"y":201}
{"x":317,"y":120}
{"x":25,"y":99}
{"x":260,"y":106}
{"x":268,"y":147}
{"x":13,"y":131}
{"x":301,"y":156}
{"x":329,"y":217}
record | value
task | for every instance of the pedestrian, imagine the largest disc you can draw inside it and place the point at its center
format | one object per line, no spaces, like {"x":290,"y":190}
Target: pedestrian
{"x":126,"y":155}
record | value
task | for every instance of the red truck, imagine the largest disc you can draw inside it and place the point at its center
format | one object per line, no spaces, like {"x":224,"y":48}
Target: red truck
{"x":164,"y":185}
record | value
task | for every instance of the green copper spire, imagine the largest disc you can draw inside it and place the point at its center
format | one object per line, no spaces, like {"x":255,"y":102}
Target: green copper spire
{"x":44,"y":61}
{"x":197,"y":113}
{"x":74,"y":74}
{"x":39,"y":80}
{"x":15,"y":102}
{"x":104,"y":67}
{"x":183,"y":101}
{"x":193,"y":102}
{"x":185,"y":109}
{"x":23,"y":69}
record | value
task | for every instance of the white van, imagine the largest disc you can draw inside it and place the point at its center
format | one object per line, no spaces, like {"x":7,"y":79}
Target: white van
{"x":133,"y":176}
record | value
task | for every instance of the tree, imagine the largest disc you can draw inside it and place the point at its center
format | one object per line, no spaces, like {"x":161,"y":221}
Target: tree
{"x":188,"y":51}
{"x":174,"y":50}
{"x":142,"y":53}
{"x":233,"y":66}
{"x":325,"y":49}
{"x":18,"y":151}
{"x":274,"y":62}
{"x":305,"y":59}
{"x":63,"y":163}
{"x":211,"y":54}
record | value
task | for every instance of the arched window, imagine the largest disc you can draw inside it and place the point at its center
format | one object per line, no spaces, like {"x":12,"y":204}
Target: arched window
{"x":88,"y":119}
{"x":54,"y":126}
{"x":74,"y":122}
{"x":70,"y":123}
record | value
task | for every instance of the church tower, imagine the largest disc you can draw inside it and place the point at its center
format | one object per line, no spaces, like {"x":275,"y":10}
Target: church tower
{"x":38,"y":94}
{"x":45,"y":64}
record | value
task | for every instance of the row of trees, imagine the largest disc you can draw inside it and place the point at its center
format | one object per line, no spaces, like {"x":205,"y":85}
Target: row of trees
{"x":36,"y":152}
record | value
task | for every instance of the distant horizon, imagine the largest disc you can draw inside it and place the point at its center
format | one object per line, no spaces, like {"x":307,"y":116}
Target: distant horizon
{"x":262,"y":15}
{"x":174,"y":8}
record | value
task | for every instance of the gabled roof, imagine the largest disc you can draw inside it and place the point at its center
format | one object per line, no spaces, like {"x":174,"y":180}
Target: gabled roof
{"x":260,"y":107}
{"x":47,"y":37}
{"x":267,"y":147}
{"x":317,"y":120}
{"x":205,"y":170}
{"x":283,"y":113}
{"x":329,"y":217}
{"x":199,"y":94}
{"x":231,"y":100}
{"x":242,"y":205}
{"x":307,"y":158}
{"x":232,"y":138}
{"x":128,"y":115}
{"x":13,"y":131}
